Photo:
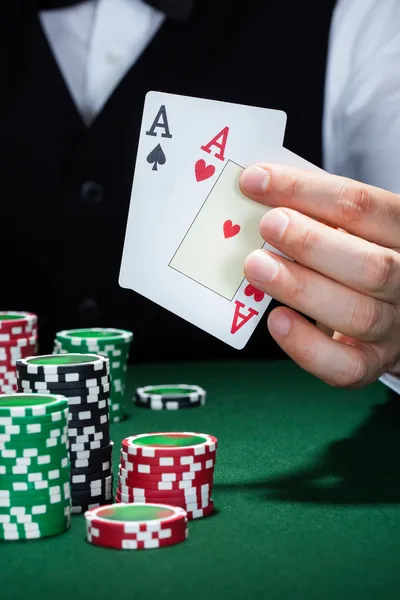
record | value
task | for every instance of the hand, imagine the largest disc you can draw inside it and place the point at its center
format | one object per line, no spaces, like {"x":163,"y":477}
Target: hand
{"x":344,"y":239}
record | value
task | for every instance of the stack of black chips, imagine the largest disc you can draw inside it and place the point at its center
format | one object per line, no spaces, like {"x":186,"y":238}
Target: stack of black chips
{"x":84,"y":379}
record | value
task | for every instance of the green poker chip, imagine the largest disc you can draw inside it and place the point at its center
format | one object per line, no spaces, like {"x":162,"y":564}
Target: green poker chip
{"x":113,"y":344}
{"x":96,"y":336}
{"x":31,"y":405}
{"x":38,"y":442}
{"x":41,"y":518}
{"x":34,"y":510}
{"x":28,"y":531}
{"x":54,"y":494}
{"x":34,"y":430}
{"x":10,"y":484}
{"x":31,"y":472}
{"x":57,"y":418}
{"x":31,"y":456}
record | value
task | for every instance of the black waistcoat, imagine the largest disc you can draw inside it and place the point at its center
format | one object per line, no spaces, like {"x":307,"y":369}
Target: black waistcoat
{"x":65,"y":189}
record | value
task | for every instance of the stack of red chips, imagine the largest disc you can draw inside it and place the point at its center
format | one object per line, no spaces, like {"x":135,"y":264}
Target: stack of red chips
{"x":18,"y":339}
{"x":169,"y":468}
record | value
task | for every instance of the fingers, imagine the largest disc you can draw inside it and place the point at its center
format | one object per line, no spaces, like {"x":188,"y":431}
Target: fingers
{"x":338,"y":307}
{"x":363,"y":210}
{"x":350,"y":260}
{"x":336,"y":363}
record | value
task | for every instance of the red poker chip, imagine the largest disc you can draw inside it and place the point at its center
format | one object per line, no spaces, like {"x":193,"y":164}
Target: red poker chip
{"x":157,"y":494}
{"x":174,"y":462}
{"x":200,"y":513}
{"x":197,"y":514}
{"x":162,"y":514}
{"x":189,"y":491}
{"x":179,"y":484}
{"x":166,"y":499}
{"x":120,"y":528}
{"x":130,"y":544}
{"x":134,"y":479}
{"x":6,"y":388}
{"x":10,"y":365}
{"x":8,"y":358}
{"x":131,"y":525}
{"x":27,"y":321}
{"x":199,"y":444}
{"x":22,"y":341}
{"x":148,"y":468}
{"x":173,"y":500}
{"x":9,"y":336}
{"x":9,"y":377}
{"x":117,"y":530}
{"x":157,"y":498}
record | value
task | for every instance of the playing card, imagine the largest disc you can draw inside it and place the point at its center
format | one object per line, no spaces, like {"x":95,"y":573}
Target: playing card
{"x":190,"y":228}
{"x":226,"y":229}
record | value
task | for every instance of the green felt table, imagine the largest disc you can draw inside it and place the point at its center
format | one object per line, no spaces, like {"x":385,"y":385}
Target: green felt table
{"x":307,"y":492}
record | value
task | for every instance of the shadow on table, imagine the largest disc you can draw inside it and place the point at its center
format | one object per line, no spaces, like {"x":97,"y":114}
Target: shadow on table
{"x":361,"y":469}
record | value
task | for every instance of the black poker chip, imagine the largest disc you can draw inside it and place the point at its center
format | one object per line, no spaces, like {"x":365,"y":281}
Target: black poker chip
{"x":105,"y":481}
{"x":79,"y":478}
{"x":95,"y":468}
{"x":88,"y":431}
{"x":88,"y":412}
{"x":90,"y":445}
{"x":68,"y":378}
{"x":93,"y":407}
{"x":79,"y":506}
{"x":82,"y":399}
{"x":98,"y":420}
{"x":97,"y":456}
{"x":169,"y":404}
{"x":67,"y":363}
{"x":100,"y":436}
{"x":37,"y":385}
{"x":87,"y":491}
{"x":70,"y":392}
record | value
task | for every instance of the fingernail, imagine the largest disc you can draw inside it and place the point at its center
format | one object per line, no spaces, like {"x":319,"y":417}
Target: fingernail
{"x":276,"y":222}
{"x":261,"y":267}
{"x":254,"y":180}
{"x":279,"y":324}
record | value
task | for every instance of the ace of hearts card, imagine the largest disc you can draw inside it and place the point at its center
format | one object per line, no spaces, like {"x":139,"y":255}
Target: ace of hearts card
{"x":189,"y":227}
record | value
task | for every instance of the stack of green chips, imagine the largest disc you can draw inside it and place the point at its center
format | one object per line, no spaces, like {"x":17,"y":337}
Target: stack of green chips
{"x":34,"y":466}
{"x":112,"y":343}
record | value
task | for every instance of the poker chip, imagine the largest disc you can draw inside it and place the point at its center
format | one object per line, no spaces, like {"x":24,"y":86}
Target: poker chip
{"x":137,"y":526}
{"x":18,"y":339}
{"x":77,"y":468}
{"x":35,"y":499}
{"x":175,"y":468}
{"x":81,"y":504}
{"x":170,"y":396}
{"x":91,"y":469}
{"x":169,"y":444}
{"x":77,"y":366}
{"x":113,"y":344}
{"x":166,"y":464}
{"x":84,"y":381}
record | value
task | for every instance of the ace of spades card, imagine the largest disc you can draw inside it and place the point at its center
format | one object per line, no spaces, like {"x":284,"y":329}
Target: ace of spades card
{"x":189,"y":227}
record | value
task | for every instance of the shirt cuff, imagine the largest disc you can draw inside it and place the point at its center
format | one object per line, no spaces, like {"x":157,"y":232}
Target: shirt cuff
{"x":391,"y":381}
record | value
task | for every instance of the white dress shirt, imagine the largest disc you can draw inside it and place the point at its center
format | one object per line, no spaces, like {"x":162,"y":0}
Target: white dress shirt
{"x":95,"y":44}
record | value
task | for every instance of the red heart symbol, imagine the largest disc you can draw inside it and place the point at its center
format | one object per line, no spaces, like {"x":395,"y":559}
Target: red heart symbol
{"x":230,"y":230}
{"x":202,"y":170}
{"x":252,"y":291}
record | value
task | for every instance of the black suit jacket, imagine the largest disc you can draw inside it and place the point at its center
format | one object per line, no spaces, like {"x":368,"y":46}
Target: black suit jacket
{"x":65,"y":188}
